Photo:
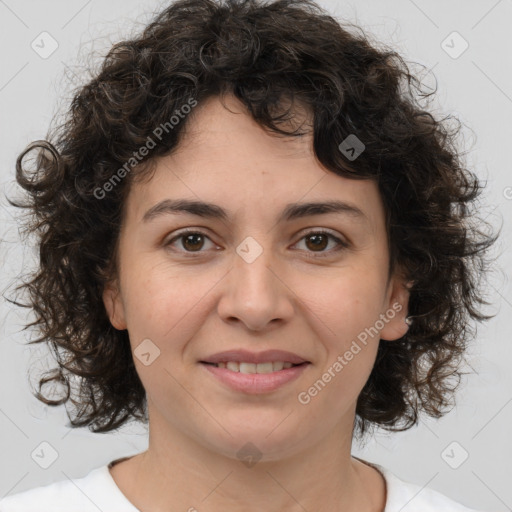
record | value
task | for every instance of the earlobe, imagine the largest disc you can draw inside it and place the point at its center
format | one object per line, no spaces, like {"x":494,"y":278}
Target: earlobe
{"x":114,"y":306}
{"x":396,"y":313}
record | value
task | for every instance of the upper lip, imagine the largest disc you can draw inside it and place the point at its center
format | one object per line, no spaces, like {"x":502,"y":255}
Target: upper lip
{"x":255,"y":357}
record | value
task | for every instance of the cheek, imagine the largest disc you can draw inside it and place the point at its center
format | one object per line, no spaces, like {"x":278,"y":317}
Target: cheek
{"x":350,"y":310}
{"x":163,"y":302}
{"x":345,"y":311}
{"x":349,"y":303}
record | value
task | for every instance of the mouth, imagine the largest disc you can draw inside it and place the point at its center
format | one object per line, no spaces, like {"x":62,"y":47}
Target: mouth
{"x":254,"y":378}
{"x":252,"y":372}
{"x":255,"y":368}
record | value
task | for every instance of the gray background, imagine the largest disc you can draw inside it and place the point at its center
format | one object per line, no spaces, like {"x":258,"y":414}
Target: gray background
{"x":475,"y":86}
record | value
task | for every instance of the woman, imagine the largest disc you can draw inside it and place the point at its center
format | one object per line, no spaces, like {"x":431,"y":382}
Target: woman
{"x":253,"y":238}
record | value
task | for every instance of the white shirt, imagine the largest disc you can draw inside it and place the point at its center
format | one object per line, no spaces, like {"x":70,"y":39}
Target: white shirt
{"x":99,"y":491}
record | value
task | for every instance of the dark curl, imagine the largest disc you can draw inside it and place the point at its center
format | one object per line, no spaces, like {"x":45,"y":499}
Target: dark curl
{"x":267,"y":55}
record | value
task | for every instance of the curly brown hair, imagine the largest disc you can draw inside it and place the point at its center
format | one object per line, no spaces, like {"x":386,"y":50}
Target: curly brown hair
{"x":264,"y":54}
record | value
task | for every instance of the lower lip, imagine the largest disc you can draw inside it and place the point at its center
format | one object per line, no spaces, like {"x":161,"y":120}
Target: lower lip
{"x":255,"y":383}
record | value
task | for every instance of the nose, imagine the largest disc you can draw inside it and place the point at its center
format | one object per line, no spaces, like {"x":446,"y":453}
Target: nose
{"x":255,"y":294}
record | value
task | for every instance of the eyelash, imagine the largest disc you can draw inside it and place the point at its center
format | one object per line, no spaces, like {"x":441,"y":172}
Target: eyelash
{"x":324,"y":254}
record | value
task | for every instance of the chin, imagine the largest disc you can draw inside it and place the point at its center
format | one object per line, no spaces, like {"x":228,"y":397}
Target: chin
{"x":257,"y":443}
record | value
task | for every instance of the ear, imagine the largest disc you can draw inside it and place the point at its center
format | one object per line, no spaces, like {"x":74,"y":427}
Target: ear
{"x":396,"y":309}
{"x":114,"y":305}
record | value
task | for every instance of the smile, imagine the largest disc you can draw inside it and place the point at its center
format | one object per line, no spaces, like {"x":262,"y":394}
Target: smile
{"x":254,"y":378}
{"x":242,"y":367}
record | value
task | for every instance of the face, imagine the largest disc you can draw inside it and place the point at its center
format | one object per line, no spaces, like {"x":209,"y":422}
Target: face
{"x":264,"y":277}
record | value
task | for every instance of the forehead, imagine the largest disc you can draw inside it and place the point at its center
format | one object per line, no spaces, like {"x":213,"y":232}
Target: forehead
{"x":224,"y":125}
{"x":225,"y":157}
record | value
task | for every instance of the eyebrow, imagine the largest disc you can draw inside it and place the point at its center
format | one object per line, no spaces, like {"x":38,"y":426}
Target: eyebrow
{"x":291,"y":211}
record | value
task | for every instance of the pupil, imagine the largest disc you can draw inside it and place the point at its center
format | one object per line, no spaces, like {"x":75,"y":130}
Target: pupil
{"x":317,"y":237}
{"x":188,"y":238}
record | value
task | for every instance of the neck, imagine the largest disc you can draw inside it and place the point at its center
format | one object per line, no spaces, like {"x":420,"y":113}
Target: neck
{"x":180,"y":473}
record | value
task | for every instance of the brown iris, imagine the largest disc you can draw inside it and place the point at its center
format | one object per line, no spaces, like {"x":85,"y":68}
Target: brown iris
{"x":193,"y":237}
{"x":317,"y":242}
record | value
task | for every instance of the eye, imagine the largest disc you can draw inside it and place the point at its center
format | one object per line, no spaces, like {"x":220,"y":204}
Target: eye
{"x":319,"y":239}
{"x":192,"y":241}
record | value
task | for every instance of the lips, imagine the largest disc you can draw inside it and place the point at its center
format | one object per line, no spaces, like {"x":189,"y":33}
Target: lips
{"x":254,"y":383}
{"x":255,"y":357}
{"x":249,"y":372}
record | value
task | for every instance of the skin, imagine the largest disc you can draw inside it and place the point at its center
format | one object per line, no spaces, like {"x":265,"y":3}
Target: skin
{"x":289,"y":298}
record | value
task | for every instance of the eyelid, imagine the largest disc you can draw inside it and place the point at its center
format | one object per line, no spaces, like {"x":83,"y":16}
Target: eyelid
{"x":184,"y":232}
{"x":342,"y":243}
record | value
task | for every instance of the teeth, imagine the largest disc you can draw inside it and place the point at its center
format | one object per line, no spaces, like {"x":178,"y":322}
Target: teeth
{"x":234,"y":367}
{"x":242,"y":367}
{"x":264,"y":367}
{"x":247,"y":368}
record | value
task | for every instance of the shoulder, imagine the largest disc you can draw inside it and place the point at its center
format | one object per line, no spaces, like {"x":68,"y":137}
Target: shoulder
{"x":408,"y":497}
{"x":93,"y":492}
